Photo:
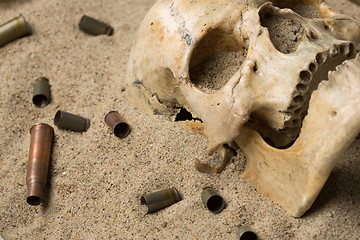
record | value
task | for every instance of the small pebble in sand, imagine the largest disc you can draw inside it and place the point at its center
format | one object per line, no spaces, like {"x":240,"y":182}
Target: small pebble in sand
{"x":164,"y":224}
{"x":293,"y":38}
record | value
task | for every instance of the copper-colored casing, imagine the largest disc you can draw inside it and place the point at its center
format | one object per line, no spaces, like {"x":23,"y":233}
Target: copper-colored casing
{"x":38,"y":163}
{"x":117,"y":124}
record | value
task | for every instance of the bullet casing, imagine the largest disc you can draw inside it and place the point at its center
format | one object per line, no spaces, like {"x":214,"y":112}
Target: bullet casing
{"x":212,"y":200}
{"x":38,"y":162}
{"x":245,"y":233}
{"x":41,"y":96}
{"x":94,"y":27}
{"x":69,"y":121}
{"x":117,"y":124}
{"x":160,"y":199}
{"x":356,"y":2}
{"x":13,"y":30}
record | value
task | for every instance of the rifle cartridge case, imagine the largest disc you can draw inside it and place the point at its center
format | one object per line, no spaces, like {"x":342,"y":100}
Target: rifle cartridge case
{"x":69,"y":121}
{"x":38,"y":162}
{"x":212,"y":200}
{"x":160,"y":199}
{"x":13,"y":29}
{"x":94,"y":27}
{"x":41,"y":96}
{"x":117,"y":124}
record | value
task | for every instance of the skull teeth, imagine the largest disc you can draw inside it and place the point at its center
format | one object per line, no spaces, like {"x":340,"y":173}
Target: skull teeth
{"x":302,"y":88}
{"x":313,"y":67}
{"x":298,"y":107}
{"x":305,"y":76}
{"x":321,"y":58}
{"x":344,"y":49}
{"x":334,"y":51}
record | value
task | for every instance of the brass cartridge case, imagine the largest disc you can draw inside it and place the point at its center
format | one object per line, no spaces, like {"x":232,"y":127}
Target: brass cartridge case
{"x":117,"y":124}
{"x":13,"y":30}
{"x":160,"y":199}
{"x":212,"y":200}
{"x":94,"y":27}
{"x":41,"y":96}
{"x":38,"y":163}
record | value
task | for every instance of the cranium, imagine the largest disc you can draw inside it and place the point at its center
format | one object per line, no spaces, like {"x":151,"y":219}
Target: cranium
{"x":291,"y":102}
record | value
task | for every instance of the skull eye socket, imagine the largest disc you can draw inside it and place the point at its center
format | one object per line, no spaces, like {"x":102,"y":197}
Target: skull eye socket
{"x":215,"y":58}
{"x":284,"y":32}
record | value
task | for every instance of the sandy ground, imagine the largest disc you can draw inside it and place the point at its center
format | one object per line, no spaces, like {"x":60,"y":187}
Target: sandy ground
{"x":96,"y":179}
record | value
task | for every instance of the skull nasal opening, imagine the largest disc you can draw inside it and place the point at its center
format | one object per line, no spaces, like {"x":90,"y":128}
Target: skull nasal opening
{"x":215,"y":59}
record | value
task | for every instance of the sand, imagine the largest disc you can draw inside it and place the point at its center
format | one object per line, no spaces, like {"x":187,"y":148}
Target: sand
{"x":96,"y":179}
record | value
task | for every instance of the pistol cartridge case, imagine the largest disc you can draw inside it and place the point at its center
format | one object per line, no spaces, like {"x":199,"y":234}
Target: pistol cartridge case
{"x":38,"y":162}
{"x":160,"y":199}
{"x":117,"y":124}
{"x":212,"y":200}
{"x":69,"y":121}
{"x":356,"y":2}
{"x":41,"y":96}
{"x":94,"y":27}
{"x":245,"y":233}
{"x":13,"y":30}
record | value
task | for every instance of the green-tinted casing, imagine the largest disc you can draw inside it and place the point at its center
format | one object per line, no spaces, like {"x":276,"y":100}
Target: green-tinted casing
{"x":13,"y":30}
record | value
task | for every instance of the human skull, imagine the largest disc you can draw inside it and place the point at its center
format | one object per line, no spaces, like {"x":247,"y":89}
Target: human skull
{"x":276,"y":56}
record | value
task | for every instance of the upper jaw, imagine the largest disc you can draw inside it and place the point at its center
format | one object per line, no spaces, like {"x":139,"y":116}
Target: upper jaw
{"x":294,"y":177}
{"x":309,"y":78}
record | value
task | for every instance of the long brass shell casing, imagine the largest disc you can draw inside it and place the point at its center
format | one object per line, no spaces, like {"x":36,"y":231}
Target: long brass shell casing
{"x":38,"y":163}
{"x":13,"y":30}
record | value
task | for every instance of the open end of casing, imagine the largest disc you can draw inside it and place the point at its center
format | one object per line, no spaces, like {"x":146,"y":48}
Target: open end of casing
{"x":248,"y":235}
{"x":143,"y":200}
{"x":33,"y":200}
{"x":57,"y":118}
{"x":40,"y":100}
{"x":245,"y":233}
{"x":121,"y":130}
{"x":215,"y":204}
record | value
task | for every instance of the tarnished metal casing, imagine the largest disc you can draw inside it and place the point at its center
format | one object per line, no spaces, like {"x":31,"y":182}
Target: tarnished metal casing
{"x":13,"y":29}
{"x":117,"y":124}
{"x":245,"y":233}
{"x":69,"y":121}
{"x":41,"y":96}
{"x":38,"y":162}
{"x":212,"y":200}
{"x":94,"y":27}
{"x":160,"y":199}
{"x":356,"y":2}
